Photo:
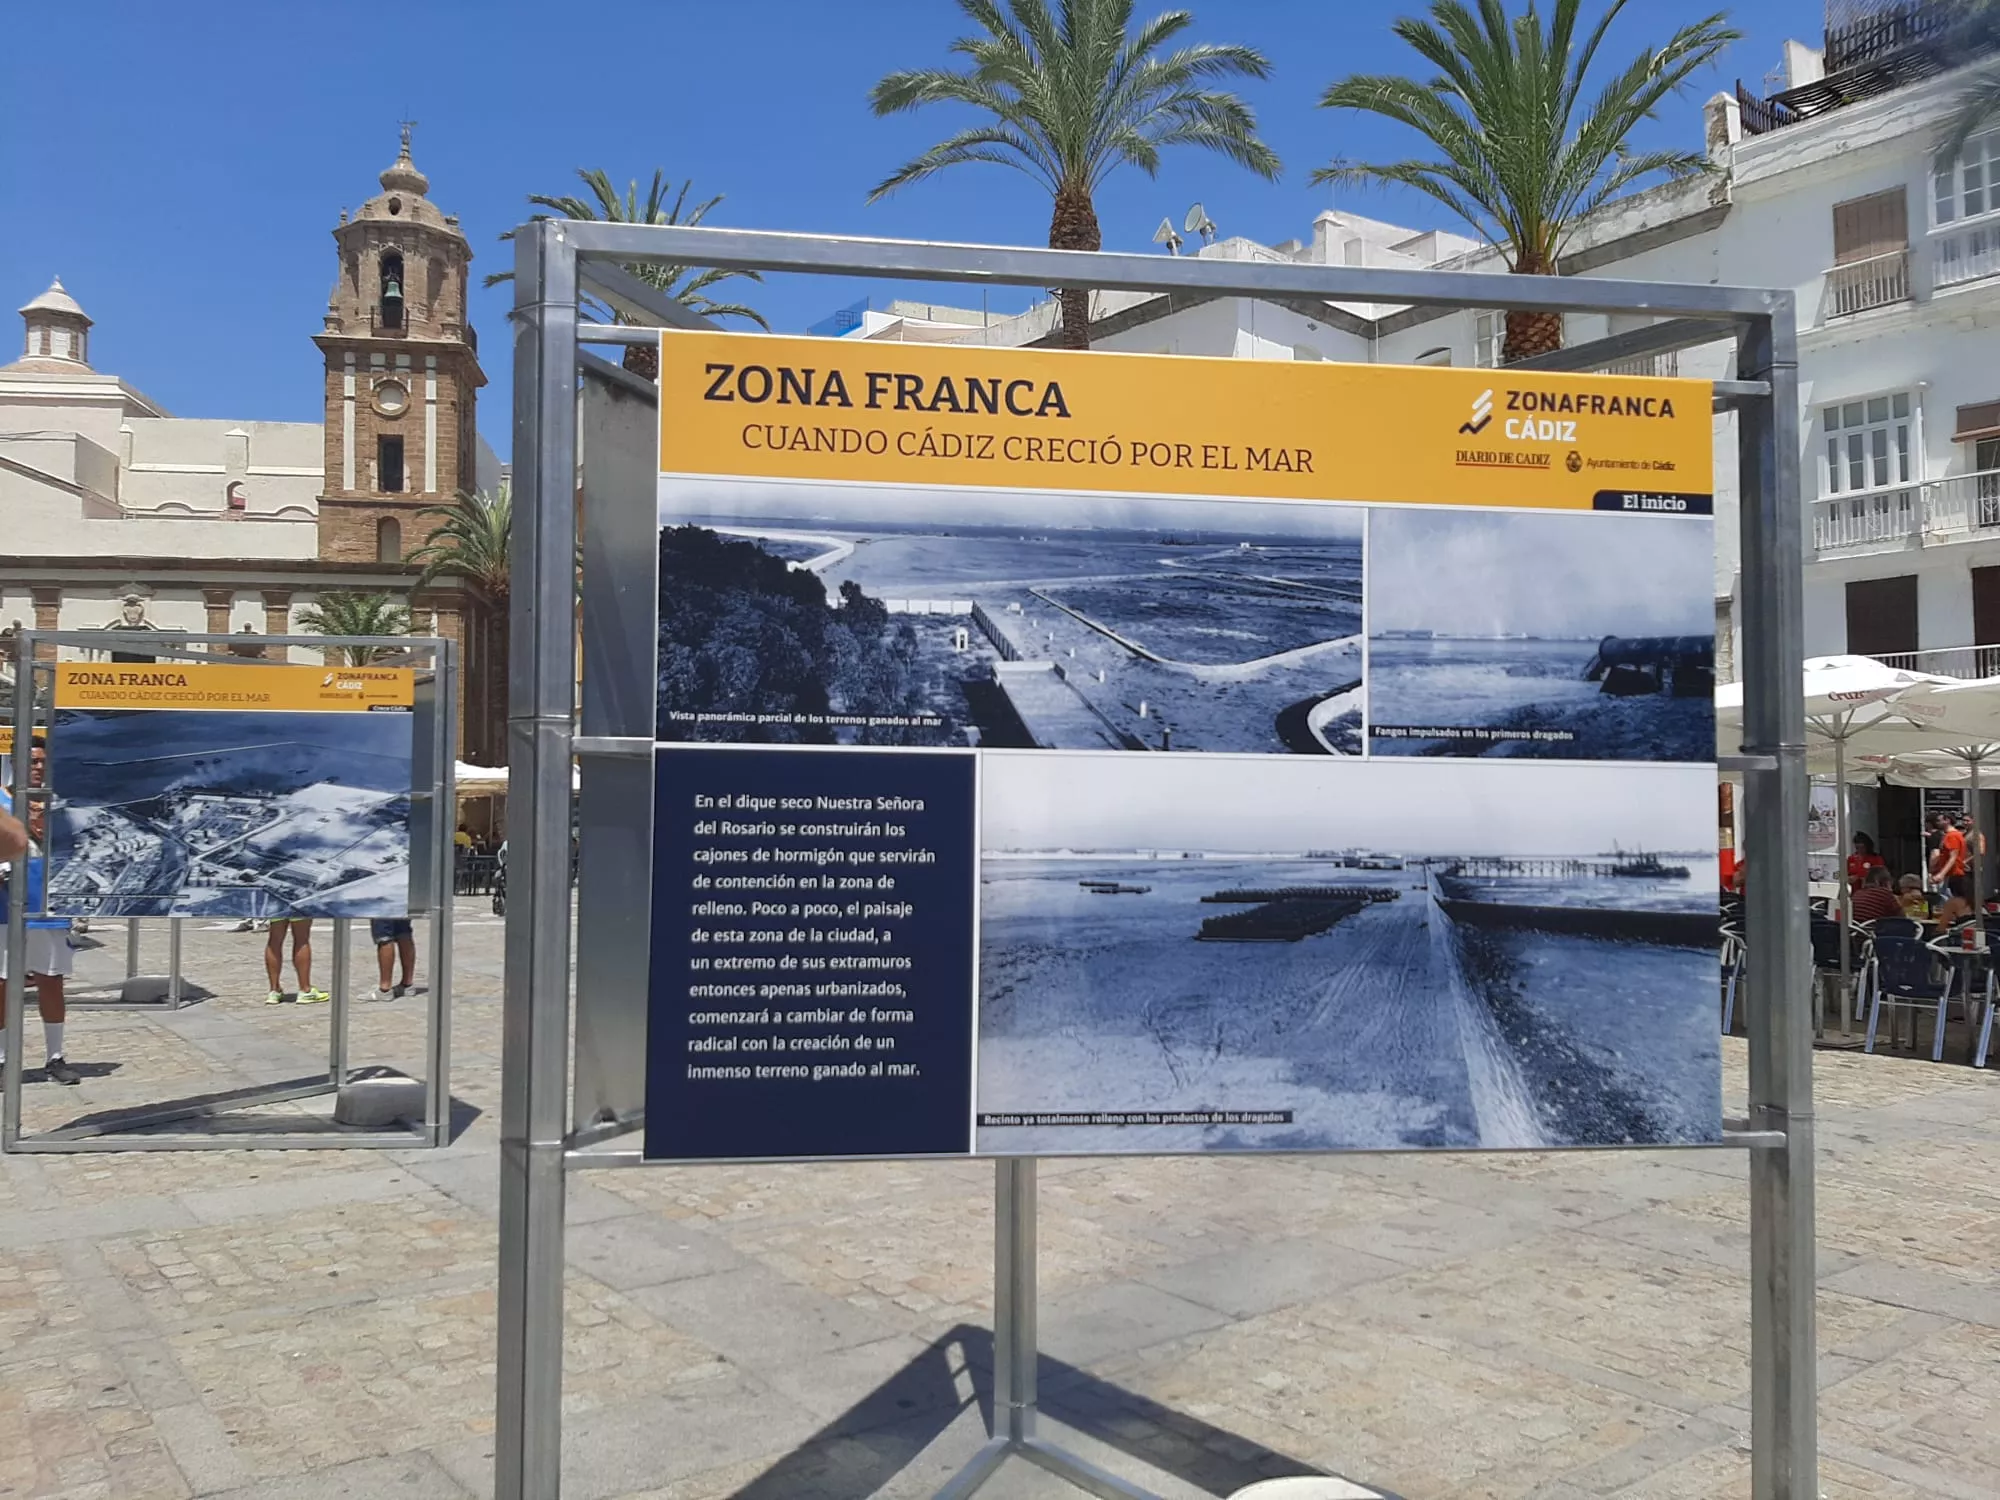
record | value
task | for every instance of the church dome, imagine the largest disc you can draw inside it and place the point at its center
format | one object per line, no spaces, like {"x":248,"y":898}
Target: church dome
{"x":55,"y":300}
{"x":401,"y":175}
{"x":57,"y":335}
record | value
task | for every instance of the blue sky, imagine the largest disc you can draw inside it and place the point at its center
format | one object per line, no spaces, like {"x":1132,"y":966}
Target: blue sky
{"x":181,"y":166}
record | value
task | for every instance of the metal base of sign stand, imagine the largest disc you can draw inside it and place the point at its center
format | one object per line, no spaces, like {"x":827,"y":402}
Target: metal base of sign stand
{"x":119,"y":1132}
{"x":123,"y":995}
{"x":1016,"y":1354}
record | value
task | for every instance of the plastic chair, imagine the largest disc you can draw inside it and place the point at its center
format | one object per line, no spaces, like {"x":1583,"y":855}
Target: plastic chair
{"x":1902,"y":980}
{"x":1826,"y":959}
{"x":1734,"y":952}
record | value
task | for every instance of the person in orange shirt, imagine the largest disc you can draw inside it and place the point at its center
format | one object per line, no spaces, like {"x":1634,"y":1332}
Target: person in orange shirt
{"x":1948,"y":860}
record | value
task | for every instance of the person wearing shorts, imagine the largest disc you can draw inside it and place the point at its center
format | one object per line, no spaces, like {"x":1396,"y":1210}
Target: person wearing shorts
{"x":49,"y":957}
{"x":302,"y":960}
{"x":395,"y":939}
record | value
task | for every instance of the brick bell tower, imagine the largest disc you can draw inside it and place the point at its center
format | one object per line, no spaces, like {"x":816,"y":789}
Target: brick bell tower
{"x":402,"y":372}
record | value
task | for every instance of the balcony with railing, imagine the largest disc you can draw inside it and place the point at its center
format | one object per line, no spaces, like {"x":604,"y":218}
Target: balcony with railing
{"x":1965,"y":507}
{"x":1873,"y":47}
{"x":1947,"y":661}
{"x":1965,"y":252}
{"x":1934,"y":513}
{"x":1868,"y":521}
{"x":1879,"y":281}
{"x":1664,"y":365}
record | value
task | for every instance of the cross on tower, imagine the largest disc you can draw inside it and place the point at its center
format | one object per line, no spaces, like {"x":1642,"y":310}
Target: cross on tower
{"x":407,"y":127}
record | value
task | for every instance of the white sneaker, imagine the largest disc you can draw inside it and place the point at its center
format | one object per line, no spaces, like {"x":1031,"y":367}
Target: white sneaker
{"x":385,"y":994}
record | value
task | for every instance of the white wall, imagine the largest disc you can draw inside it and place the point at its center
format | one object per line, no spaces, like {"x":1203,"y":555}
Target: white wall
{"x":188,"y":465}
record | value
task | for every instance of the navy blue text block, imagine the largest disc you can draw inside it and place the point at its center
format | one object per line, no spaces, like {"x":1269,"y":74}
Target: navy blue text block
{"x":812,"y":953}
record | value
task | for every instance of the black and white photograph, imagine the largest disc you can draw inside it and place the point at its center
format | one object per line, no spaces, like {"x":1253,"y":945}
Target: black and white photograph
{"x":1218,"y":954}
{"x":830,"y":614}
{"x":243,"y":814}
{"x":1574,"y":636}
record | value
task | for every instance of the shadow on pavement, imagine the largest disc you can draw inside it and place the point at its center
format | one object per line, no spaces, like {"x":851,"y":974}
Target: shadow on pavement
{"x":869,"y":1444}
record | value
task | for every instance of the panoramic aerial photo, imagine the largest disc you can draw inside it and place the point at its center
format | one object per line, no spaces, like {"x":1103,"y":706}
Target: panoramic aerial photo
{"x":1224,"y":954}
{"x":833,"y":614}
{"x":168,"y":813}
{"x":1570,"y":635}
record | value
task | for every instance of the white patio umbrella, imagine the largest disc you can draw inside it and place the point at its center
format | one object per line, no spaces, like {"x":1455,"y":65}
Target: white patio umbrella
{"x":1846,"y":698}
{"x":1961,"y":721}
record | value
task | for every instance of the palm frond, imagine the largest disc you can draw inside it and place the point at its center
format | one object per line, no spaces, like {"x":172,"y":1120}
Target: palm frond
{"x":340,"y":612}
{"x":1976,"y":109}
{"x":684,"y":284}
{"x":471,"y":541}
{"x":1529,"y":141}
{"x":1073,"y":89}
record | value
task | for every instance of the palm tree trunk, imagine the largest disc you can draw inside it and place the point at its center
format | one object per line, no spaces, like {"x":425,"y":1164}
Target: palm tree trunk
{"x":1531,"y":333}
{"x":643,"y":360}
{"x":1074,"y":227}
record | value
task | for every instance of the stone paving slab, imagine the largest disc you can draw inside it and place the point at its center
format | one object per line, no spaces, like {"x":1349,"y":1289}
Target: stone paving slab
{"x":236,"y":1325}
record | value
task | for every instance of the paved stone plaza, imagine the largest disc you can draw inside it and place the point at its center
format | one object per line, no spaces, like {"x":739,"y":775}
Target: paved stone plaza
{"x":310,"y":1325}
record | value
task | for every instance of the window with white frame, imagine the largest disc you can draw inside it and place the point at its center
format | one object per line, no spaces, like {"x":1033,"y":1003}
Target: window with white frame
{"x":1869,"y":444}
{"x":1969,"y":187}
{"x":1489,"y":338}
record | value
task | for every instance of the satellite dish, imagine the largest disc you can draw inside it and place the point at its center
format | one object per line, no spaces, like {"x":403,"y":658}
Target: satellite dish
{"x":1198,"y":222}
{"x":1165,"y":235}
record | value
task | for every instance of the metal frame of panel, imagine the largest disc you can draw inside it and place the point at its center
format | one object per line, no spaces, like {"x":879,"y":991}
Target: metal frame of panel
{"x":556,"y":261}
{"x":435,"y":901}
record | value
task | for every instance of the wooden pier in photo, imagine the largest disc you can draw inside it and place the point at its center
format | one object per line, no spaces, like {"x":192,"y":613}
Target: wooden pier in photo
{"x":1558,"y":869}
{"x":1307,"y":893}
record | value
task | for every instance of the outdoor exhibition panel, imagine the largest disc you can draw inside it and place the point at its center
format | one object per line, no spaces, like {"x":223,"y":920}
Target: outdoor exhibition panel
{"x":1432,"y":861}
{"x":881,"y":855}
{"x":187,"y":788}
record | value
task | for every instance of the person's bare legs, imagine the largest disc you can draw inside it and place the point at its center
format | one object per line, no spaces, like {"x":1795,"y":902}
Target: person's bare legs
{"x":406,"y":950}
{"x":302,"y":953}
{"x":274,"y":955}
{"x":385,"y":963}
{"x":50,"y":1000}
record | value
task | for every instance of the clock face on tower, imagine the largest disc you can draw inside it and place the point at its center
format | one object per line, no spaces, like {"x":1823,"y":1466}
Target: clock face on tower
{"x":391,"y":398}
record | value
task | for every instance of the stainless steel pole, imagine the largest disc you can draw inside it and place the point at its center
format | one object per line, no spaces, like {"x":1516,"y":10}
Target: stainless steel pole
{"x":437,"y":1052}
{"x":131,"y":947}
{"x":1844,"y":903}
{"x":1973,"y":851}
{"x":17,"y":899}
{"x":1784,"y":1437}
{"x":336,"y":1057}
{"x":173,"y":963}
{"x":1015,"y":1354}
{"x":535,"y":1017}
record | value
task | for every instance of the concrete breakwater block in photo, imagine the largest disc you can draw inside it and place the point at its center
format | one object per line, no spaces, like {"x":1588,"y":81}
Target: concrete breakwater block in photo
{"x":372,"y":1103}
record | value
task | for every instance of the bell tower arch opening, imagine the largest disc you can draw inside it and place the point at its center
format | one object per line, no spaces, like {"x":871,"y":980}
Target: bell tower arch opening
{"x":389,"y":308}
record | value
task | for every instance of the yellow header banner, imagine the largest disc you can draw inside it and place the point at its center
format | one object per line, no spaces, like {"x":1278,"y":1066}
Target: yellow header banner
{"x":848,"y":409}
{"x":233,"y":685}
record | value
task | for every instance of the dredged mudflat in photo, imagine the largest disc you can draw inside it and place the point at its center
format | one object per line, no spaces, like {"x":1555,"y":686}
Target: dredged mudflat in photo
{"x":810,"y":613}
{"x":1220,"y":954}
{"x":166,"y":812}
{"x":1580,"y":636}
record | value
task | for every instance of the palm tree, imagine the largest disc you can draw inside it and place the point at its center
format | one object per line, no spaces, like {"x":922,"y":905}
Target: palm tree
{"x":470,"y":541}
{"x":1975,"y":34}
{"x":339,"y":612}
{"x":1072,"y":93}
{"x":687,"y":285}
{"x":1524,"y":154}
